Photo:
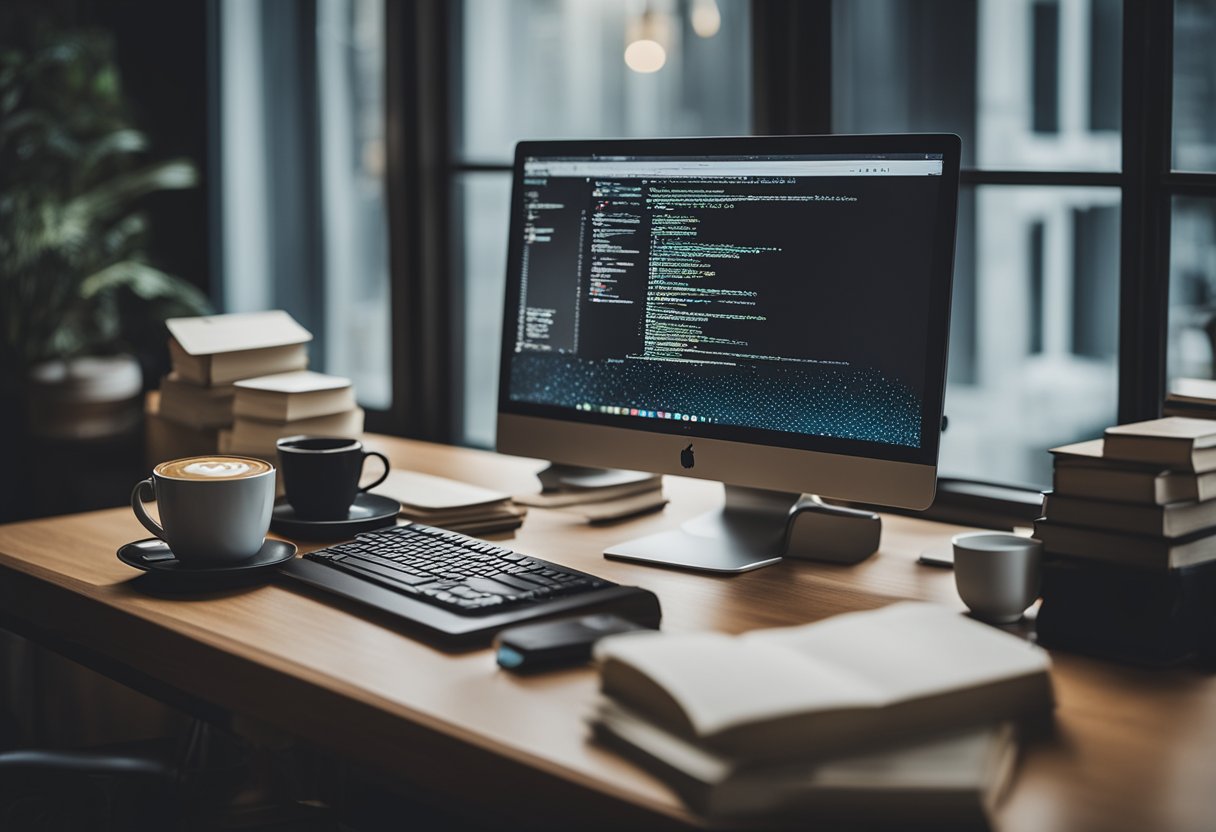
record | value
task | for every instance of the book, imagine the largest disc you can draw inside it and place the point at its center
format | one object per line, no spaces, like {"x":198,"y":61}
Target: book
{"x":286,"y":397}
{"x":1126,"y":613}
{"x":953,"y":779}
{"x":195,"y":405}
{"x":1082,"y":471}
{"x":450,"y":504}
{"x":1121,"y":548}
{"x":219,"y":349}
{"x":577,"y":496}
{"x":1170,"y":520}
{"x":1192,"y":411}
{"x":1192,"y":391}
{"x":165,"y":439}
{"x":840,"y":685}
{"x":1176,"y":442}
{"x":258,"y":437}
{"x":415,"y":489}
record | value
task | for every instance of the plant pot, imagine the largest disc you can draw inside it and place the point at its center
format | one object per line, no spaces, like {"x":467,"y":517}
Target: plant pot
{"x":93,"y":397}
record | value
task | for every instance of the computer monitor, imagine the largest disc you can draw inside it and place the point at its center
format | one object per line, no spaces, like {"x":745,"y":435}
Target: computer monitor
{"x":768,"y":312}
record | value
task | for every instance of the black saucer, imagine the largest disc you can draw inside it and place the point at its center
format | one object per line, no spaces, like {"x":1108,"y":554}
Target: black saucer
{"x":370,"y":511}
{"x":153,"y":555}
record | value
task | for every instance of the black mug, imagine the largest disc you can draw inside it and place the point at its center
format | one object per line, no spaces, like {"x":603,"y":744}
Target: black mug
{"x":321,"y":474}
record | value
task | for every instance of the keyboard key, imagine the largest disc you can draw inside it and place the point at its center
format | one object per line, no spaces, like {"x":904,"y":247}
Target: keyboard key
{"x":451,"y":570}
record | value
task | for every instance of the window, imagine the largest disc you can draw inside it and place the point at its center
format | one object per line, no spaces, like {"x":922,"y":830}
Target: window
{"x":1033,"y":353}
{"x":1192,"y":237}
{"x":555,"y":69}
{"x":301,"y":151}
{"x":1089,"y":130}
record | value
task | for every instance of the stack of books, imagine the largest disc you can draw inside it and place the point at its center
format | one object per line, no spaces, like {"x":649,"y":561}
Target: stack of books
{"x":1129,"y":538}
{"x":453,"y":505}
{"x":898,"y":714}
{"x":600,"y":504}
{"x":268,"y":408}
{"x":1191,"y":397}
{"x":210,"y":353}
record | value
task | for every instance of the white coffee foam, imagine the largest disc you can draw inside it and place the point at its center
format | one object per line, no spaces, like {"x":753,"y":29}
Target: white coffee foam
{"x":217,"y":468}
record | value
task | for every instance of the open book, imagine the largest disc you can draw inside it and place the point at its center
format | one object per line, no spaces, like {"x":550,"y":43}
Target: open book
{"x":840,"y":685}
{"x":954,"y":779}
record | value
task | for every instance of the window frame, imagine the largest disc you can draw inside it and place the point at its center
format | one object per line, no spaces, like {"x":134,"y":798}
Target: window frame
{"x":792,"y":85}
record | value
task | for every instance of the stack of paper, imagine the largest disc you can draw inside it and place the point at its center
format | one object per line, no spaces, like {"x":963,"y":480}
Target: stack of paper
{"x":899,"y":713}
{"x":453,"y":505}
{"x":602,"y":504}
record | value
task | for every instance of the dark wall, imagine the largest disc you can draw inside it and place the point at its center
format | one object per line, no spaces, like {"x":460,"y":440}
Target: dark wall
{"x":162,"y":54}
{"x":161,"y":51}
{"x":161,"y":48}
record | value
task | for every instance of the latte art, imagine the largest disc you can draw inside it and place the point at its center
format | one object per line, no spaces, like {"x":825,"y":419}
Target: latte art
{"x":217,"y":469}
{"x":213,"y":468}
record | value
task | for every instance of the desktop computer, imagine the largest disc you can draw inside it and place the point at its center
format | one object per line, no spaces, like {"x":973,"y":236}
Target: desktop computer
{"x":769,"y":312}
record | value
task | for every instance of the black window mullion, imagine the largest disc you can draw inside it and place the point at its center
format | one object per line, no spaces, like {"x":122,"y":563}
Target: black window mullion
{"x":1191,"y":184}
{"x":417,"y":132}
{"x":1065,"y":178}
{"x":791,"y":66}
{"x":1148,"y":36}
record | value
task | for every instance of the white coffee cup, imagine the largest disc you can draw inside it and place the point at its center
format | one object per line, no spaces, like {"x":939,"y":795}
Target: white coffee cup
{"x":997,"y":574}
{"x":213,"y":509}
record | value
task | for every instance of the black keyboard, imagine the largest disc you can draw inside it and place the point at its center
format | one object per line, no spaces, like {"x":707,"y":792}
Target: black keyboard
{"x":453,"y":571}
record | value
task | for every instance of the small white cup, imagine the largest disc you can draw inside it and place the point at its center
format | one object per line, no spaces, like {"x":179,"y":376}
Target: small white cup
{"x":997,"y":574}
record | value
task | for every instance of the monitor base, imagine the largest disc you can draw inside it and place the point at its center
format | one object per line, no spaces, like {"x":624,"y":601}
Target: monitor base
{"x":758,"y":528}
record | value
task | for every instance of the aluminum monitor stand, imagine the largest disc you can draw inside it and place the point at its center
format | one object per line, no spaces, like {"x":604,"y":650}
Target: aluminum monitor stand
{"x":757,"y":528}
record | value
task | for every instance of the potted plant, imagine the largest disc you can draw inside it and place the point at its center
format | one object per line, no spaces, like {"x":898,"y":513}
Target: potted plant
{"x":74,"y":276}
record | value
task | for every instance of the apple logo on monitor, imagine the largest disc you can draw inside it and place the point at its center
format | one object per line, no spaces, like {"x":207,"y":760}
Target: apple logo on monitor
{"x":686,"y":457}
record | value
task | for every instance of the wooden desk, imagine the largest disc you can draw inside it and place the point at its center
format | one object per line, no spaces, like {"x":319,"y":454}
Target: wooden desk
{"x":1134,"y":749}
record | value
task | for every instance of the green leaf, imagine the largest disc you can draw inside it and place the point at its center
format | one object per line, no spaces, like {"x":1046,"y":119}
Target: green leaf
{"x":145,"y":282}
{"x":105,"y":199}
{"x":117,"y":143}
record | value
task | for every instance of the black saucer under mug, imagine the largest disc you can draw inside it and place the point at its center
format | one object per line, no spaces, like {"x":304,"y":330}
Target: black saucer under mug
{"x":154,"y":555}
{"x":367,"y":513}
{"x":321,"y":474}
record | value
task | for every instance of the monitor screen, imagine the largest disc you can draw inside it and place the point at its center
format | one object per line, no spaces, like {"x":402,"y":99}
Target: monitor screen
{"x":782,"y":297}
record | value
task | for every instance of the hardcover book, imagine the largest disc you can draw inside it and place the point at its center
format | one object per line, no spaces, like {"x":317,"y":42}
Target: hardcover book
{"x":839,"y":685}
{"x":285,"y":397}
{"x":220,"y":349}
{"x":1175,"y":442}
{"x":953,"y":779}
{"x":1081,"y":470}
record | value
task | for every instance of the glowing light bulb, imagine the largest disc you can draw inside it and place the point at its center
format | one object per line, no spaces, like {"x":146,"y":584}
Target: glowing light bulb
{"x":648,"y":37}
{"x":706,"y":19}
{"x":645,"y":56}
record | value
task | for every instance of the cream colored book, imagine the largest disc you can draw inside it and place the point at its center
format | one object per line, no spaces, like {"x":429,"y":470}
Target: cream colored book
{"x":1082,"y":471}
{"x":219,"y":349}
{"x":165,"y":439}
{"x":254,"y":435}
{"x":415,"y":490}
{"x":576,"y":496}
{"x":1109,"y":546}
{"x":284,"y":397}
{"x":1200,"y":391}
{"x":841,"y":684}
{"x":1176,"y":442}
{"x":951,"y":779}
{"x":195,"y":405}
